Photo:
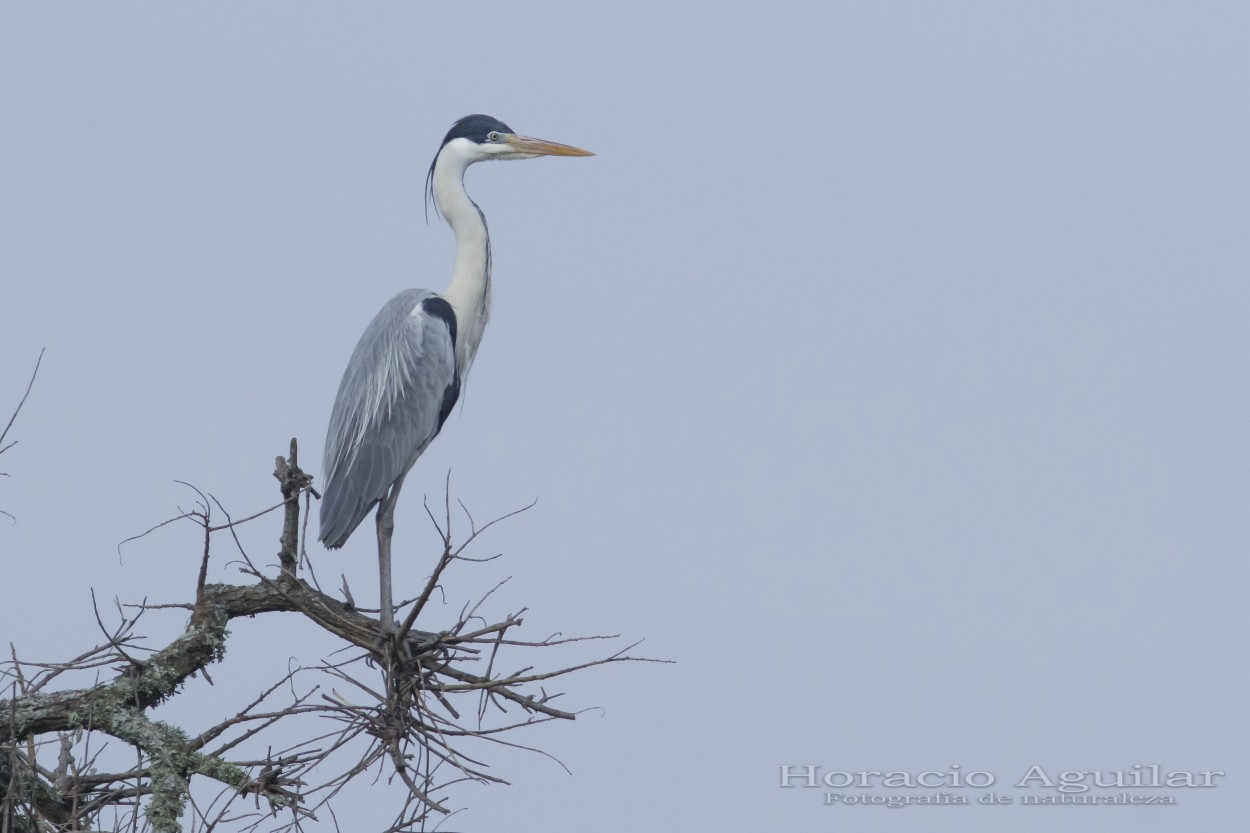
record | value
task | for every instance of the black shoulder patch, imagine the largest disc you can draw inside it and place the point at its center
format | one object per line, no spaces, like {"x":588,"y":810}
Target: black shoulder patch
{"x":450,"y":395}
{"x":437,"y":307}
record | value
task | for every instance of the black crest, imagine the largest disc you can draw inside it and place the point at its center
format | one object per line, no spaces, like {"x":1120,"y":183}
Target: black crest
{"x":475,"y":128}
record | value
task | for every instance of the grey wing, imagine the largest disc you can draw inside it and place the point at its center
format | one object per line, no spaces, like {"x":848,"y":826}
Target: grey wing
{"x":397,"y":391}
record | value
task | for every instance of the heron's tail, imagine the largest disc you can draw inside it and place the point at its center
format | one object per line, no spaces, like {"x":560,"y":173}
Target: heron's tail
{"x":340,"y":516}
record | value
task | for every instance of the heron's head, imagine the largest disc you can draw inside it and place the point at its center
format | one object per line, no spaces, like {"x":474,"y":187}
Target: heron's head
{"x":477,"y":137}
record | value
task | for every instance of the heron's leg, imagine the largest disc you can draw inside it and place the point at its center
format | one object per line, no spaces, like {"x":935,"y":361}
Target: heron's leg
{"x":386,"y":527}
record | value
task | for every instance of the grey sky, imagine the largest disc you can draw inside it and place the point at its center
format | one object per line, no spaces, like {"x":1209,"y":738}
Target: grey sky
{"x":887,"y":368}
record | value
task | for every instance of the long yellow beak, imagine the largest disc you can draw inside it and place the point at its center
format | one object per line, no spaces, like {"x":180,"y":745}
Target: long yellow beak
{"x":541,"y":147}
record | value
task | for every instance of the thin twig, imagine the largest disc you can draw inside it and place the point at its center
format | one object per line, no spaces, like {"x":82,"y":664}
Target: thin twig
{"x":18,"y":409}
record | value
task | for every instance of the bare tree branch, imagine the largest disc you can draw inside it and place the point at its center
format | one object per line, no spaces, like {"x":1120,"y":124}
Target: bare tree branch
{"x":18,"y":409}
{"x":9,"y":424}
{"x":395,"y":716}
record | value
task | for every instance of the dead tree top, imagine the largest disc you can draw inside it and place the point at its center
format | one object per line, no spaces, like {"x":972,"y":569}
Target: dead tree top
{"x":416,"y":708}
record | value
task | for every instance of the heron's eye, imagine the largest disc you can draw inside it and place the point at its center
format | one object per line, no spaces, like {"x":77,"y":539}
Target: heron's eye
{"x":492,"y":136}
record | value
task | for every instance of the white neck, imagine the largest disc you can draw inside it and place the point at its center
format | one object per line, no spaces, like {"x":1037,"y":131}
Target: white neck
{"x":469,"y":291}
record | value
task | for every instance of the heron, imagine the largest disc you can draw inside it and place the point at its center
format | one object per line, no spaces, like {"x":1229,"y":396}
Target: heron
{"x":409,"y":367}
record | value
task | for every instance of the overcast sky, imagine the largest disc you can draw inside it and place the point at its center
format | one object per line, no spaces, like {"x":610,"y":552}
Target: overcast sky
{"x":887,"y":369}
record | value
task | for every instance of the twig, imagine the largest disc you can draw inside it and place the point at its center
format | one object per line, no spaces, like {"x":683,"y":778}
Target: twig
{"x":18,"y":409}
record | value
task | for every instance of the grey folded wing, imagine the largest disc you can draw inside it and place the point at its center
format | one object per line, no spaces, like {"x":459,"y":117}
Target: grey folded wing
{"x":396,"y":393}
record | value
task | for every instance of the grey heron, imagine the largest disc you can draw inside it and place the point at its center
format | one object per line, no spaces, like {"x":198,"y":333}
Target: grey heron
{"x":409,"y":367}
